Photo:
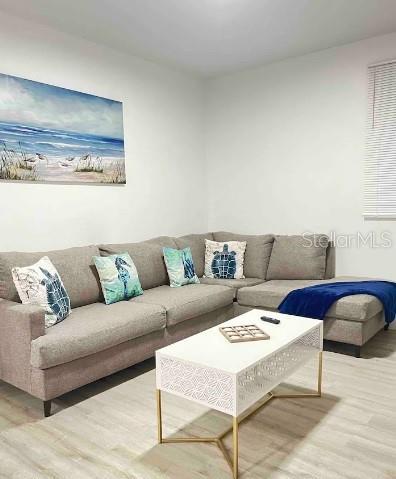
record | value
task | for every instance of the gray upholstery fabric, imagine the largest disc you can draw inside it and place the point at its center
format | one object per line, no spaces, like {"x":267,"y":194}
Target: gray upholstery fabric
{"x":338,"y":329}
{"x":352,"y":332}
{"x":74,"y":265}
{"x":187,"y":301}
{"x":235,"y":284}
{"x":197,"y":244}
{"x":257,"y":254}
{"x":168,"y":241}
{"x":293,"y":258}
{"x":93,"y":328}
{"x":148,"y":258}
{"x":330,"y":261}
{"x":269,"y":295}
{"x":19,"y":325}
{"x":51,"y":383}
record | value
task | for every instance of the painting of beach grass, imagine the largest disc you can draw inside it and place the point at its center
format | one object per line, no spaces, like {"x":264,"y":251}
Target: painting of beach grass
{"x":51,"y":134}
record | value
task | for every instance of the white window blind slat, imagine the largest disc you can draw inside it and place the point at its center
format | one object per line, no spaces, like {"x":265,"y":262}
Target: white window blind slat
{"x":380,"y":163}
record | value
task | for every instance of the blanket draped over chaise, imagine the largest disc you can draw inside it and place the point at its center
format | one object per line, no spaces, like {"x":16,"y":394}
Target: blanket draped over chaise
{"x":315,"y":301}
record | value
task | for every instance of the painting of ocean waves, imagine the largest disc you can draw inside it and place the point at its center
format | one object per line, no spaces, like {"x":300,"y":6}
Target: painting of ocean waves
{"x":52,"y":134}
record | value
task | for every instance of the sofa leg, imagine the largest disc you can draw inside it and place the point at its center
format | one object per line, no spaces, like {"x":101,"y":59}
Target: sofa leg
{"x":47,"y":408}
{"x":343,"y":348}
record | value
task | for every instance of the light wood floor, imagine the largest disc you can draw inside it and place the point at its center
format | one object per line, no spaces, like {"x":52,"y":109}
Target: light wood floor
{"x":107,"y":430}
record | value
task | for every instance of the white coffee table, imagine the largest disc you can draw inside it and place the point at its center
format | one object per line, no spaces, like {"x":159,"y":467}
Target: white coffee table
{"x":232,"y":377}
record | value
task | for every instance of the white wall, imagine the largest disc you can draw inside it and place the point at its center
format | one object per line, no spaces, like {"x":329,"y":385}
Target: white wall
{"x":285,"y":150}
{"x":163,"y":143}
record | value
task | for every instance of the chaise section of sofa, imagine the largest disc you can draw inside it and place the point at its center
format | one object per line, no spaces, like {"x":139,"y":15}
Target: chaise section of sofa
{"x":350,"y":322}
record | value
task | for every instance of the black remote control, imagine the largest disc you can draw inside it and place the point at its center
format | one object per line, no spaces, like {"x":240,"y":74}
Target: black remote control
{"x":270,"y":320}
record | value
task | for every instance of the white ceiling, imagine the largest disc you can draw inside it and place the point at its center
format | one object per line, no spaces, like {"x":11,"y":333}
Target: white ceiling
{"x":211,"y":37}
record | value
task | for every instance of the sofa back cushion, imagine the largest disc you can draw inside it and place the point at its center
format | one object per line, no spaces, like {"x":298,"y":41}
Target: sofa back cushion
{"x":148,"y":258}
{"x":74,"y":265}
{"x":298,"y":257}
{"x":330,"y":261}
{"x":196,"y":242}
{"x":257,"y":254}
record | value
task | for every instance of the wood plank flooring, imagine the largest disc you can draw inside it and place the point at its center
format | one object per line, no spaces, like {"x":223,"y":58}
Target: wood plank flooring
{"x":107,"y":430}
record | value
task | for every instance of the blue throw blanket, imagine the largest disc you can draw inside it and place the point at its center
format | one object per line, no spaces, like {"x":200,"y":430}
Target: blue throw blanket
{"x":315,"y":301}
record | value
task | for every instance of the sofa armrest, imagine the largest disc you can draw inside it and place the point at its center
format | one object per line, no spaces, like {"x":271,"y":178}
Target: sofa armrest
{"x":19,"y":325}
{"x":26,"y":319}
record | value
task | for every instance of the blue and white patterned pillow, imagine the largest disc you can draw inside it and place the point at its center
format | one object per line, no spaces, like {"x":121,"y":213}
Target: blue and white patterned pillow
{"x":224,"y":260}
{"x":180,"y":266}
{"x":41,"y":284}
{"x":118,"y":277}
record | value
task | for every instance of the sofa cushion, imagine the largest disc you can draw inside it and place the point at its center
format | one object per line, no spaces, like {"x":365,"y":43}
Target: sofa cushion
{"x":74,"y":265}
{"x":188,"y":301}
{"x":148,"y":258}
{"x":94,"y":328}
{"x":196,"y":242}
{"x":298,"y":257}
{"x":269,"y":295}
{"x":330,"y":261}
{"x":235,"y":284}
{"x":257,"y":253}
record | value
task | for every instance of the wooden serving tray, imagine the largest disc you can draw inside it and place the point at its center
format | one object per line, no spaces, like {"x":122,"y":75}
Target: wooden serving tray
{"x":243,"y":334}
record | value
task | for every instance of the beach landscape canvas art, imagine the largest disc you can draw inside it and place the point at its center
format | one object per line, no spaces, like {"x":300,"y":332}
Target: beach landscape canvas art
{"x":52,"y":134}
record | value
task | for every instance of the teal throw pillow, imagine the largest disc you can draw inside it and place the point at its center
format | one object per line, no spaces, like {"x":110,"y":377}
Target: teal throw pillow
{"x":118,"y":277}
{"x":180,"y":266}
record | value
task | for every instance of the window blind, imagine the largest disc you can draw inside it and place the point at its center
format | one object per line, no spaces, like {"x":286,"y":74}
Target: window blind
{"x":380,"y":163}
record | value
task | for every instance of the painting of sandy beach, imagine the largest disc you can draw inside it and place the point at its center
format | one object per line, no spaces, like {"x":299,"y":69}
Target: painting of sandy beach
{"x":51,"y":134}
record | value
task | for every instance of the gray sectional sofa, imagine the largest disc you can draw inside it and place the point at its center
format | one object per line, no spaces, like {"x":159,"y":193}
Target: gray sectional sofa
{"x":97,"y":339}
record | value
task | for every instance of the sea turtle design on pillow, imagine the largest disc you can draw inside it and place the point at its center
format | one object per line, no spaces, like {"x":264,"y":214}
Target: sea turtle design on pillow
{"x":224,"y":263}
{"x":57,"y":297}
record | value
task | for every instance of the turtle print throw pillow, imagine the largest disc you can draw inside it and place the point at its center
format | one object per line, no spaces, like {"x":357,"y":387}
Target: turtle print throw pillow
{"x":118,"y":277}
{"x":224,"y":260}
{"x":180,"y":266}
{"x":41,"y":284}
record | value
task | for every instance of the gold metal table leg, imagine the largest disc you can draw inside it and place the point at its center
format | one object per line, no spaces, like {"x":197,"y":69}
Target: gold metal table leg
{"x":316,"y":394}
{"x":159,"y":416}
{"x":320,"y":373}
{"x":218,"y":441}
{"x":235,"y":432}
